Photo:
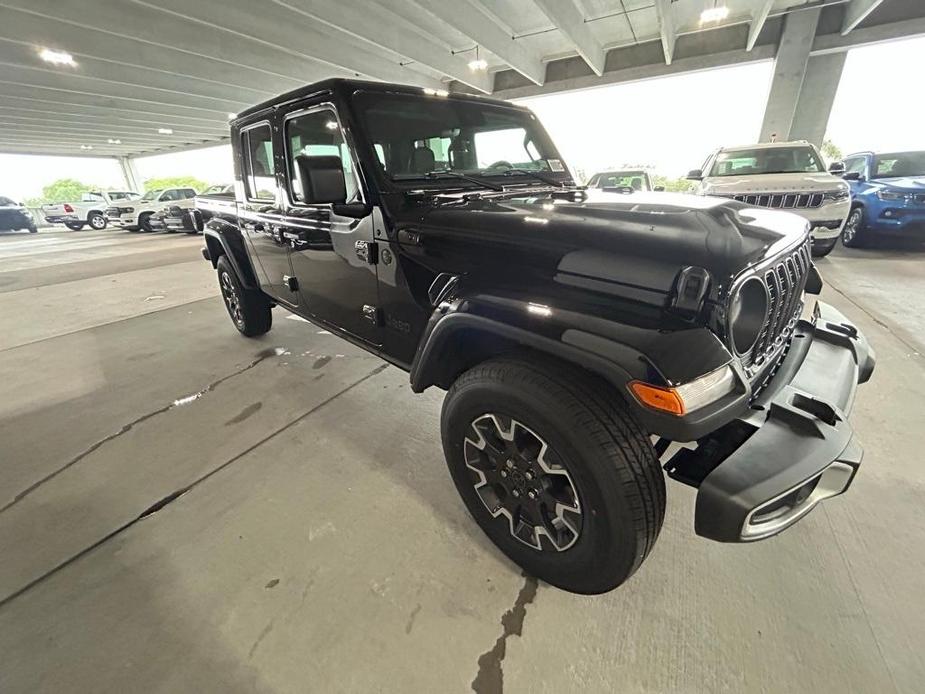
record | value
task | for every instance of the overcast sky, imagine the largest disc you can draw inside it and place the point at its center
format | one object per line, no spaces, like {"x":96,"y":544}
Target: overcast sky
{"x":670,"y":124}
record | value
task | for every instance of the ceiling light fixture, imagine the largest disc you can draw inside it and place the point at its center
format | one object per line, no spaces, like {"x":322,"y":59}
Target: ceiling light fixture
{"x":57,"y":57}
{"x":478,"y":63}
{"x":114,"y":142}
{"x":165,"y":131}
{"x":436,"y":92}
{"x":86,"y":146}
{"x":232,"y":116}
{"x":714,"y":14}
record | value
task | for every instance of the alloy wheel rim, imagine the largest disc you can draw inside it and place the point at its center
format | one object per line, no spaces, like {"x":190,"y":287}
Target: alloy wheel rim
{"x":851,"y":227}
{"x":97,"y":222}
{"x":232,"y":303}
{"x":523,"y":482}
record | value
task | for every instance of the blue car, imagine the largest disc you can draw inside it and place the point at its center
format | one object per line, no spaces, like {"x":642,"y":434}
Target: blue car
{"x":888,"y":196}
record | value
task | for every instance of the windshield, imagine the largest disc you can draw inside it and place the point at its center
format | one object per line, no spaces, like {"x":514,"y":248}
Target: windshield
{"x":91,"y":197}
{"x":417,"y":135}
{"x":152,"y":194}
{"x":637,"y":180}
{"x":767,"y":160}
{"x":899,"y":165}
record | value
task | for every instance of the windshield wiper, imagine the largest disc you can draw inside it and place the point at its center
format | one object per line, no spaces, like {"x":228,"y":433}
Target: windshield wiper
{"x":538,"y":176}
{"x":462,"y":177}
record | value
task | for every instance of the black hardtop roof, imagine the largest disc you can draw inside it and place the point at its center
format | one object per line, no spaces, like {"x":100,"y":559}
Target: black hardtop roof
{"x":345,"y":86}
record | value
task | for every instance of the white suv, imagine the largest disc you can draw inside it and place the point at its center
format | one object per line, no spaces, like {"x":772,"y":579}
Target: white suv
{"x":787,"y":176}
{"x":139,"y":214}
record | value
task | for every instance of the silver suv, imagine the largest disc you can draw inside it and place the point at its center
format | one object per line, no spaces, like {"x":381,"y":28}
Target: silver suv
{"x":787,"y":176}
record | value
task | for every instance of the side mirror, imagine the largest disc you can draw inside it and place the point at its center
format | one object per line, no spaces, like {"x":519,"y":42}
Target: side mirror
{"x":695,"y":175}
{"x":852,"y":176}
{"x":659,"y":189}
{"x":837,"y":168}
{"x":321,"y":179}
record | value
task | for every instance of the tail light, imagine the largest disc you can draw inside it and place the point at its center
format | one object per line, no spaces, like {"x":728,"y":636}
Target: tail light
{"x":68,"y":208}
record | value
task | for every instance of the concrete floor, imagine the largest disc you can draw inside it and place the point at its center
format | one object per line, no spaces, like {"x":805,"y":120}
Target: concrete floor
{"x":315,"y":542}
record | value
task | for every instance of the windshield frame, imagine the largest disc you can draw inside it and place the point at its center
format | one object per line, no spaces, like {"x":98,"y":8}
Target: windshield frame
{"x":746,"y":152}
{"x":875,"y":161}
{"x":358,"y":136}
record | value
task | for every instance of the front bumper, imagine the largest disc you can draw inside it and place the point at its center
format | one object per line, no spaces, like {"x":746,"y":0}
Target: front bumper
{"x":793,"y":447}
{"x":899,"y":218}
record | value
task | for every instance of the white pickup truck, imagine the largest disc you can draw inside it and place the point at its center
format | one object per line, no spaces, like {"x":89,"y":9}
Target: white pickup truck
{"x":141,"y":213}
{"x":91,"y":210}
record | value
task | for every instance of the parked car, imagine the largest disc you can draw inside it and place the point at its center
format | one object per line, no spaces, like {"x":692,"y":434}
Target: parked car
{"x":175,"y":218}
{"x":140,"y":213}
{"x":888,"y":196}
{"x":14,"y":215}
{"x":89,"y":211}
{"x":784,"y":176}
{"x":445,"y":234}
{"x":623,"y":180}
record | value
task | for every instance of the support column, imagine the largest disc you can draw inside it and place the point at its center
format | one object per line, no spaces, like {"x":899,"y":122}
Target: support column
{"x":130,"y":174}
{"x":823,"y":73}
{"x":796,"y":41}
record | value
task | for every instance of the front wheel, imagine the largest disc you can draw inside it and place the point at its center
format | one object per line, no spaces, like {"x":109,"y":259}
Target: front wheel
{"x":555,"y":471}
{"x":854,"y":235}
{"x":144,"y":222}
{"x":97,"y":221}
{"x":249,"y":309}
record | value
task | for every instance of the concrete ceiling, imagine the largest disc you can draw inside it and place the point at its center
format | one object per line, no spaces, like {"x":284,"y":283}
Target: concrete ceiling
{"x":186,"y":65}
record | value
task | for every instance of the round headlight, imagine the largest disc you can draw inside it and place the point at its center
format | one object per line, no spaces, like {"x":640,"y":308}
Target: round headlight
{"x":748,"y":314}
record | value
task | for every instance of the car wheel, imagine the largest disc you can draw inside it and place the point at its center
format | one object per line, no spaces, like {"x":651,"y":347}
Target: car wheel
{"x":249,"y":309}
{"x":854,"y":235}
{"x":144,"y":222}
{"x":821,"y":249}
{"x":74,"y":226}
{"x":555,"y":471}
{"x":97,"y":221}
{"x":33,"y":229}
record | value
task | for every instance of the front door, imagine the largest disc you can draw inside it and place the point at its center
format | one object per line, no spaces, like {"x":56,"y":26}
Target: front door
{"x":333,"y":256}
{"x":260,"y":214}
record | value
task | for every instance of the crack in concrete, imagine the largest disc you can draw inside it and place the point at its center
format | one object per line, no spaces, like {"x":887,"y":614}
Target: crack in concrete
{"x":263,"y":634}
{"x":263,"y":355}
{"x":490,"y":677}
{"x":170,"y":498}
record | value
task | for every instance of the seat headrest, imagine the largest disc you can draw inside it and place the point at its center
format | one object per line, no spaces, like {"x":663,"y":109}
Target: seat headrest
{"x":423,"y":160}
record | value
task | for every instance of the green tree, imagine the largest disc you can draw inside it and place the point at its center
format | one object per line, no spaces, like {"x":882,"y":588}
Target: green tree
{"x":176,"y":182}
{"x":831,"y":151}
{"x":62,"y":190}
{"x":673,"y":185}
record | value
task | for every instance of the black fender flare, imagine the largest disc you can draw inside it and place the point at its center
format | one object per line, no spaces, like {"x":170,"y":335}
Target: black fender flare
{"x":227,"y":240}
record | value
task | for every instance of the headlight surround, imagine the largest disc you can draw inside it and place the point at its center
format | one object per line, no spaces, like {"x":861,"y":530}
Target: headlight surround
{"x":891,"y":196}
{"x":748,"y":313}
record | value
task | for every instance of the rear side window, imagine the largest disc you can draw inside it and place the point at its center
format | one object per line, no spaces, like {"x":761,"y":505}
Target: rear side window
{"x":259,"y":171}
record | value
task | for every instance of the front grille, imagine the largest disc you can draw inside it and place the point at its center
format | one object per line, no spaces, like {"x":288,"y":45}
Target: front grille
{"x":785,"y":280}
{"x":781,"y":201}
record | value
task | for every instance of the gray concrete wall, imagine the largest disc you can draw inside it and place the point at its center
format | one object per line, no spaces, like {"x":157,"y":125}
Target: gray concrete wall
{"x":823,"y":74}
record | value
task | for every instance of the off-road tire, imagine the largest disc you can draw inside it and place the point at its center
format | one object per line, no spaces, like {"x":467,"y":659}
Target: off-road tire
{"x":97,"y":221}
{"x":855,"y":234}
{"x":249,"y":309}
{"x":615,"y":470}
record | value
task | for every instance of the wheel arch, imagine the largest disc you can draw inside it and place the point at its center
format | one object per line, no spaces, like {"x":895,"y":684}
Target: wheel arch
{"x":228,"y":242}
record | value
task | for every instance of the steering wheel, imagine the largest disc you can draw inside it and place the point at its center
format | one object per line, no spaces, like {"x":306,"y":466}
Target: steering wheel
{"x":501,"y":164}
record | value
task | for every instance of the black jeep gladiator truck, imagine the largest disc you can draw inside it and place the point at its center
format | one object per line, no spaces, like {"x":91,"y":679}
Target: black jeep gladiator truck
{"x":578,"y":333}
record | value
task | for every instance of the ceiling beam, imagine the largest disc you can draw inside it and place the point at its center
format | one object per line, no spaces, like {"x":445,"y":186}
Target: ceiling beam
{"x":568,"y":20}
{"x":467,"y":18}
{"x":381,"y":26}
{"x":8,"y":113}
{"x":757,"y":24}
{"x":856,"y":12}
{"x":666,"y":28}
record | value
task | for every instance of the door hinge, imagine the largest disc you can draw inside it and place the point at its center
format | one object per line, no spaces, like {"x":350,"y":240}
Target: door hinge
{"x":292,"y":283}
{"x":367,"y":251}
{"x":373,"y":314}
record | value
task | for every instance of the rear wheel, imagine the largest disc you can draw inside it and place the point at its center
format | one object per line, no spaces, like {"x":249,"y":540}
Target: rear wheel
{"x":249,"y":309}
{"x":96,"y":221}
{"x":33,"y":229}
{"x":555,"y":471}
{"x":854,"y":235}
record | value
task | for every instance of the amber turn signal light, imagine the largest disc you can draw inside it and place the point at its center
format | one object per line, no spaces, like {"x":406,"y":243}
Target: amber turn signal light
{"x":663,"y":399}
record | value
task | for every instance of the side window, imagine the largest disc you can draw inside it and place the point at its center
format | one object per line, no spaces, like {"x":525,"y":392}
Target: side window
{"x":168,"y":196}
{"x":189,"y":193}
{"x":259,"y":171}
{"x":317,"y":134}
{"x":855,"y":165}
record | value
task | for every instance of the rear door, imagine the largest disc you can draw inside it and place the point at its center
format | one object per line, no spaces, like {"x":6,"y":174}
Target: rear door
{"x":333,"y":256}
{"x":260,"y":212}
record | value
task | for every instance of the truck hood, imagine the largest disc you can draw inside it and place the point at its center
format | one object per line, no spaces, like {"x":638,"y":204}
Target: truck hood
{"x":910,"y":183}
{"x":640,"y":239}
{"x":771,"y":183}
